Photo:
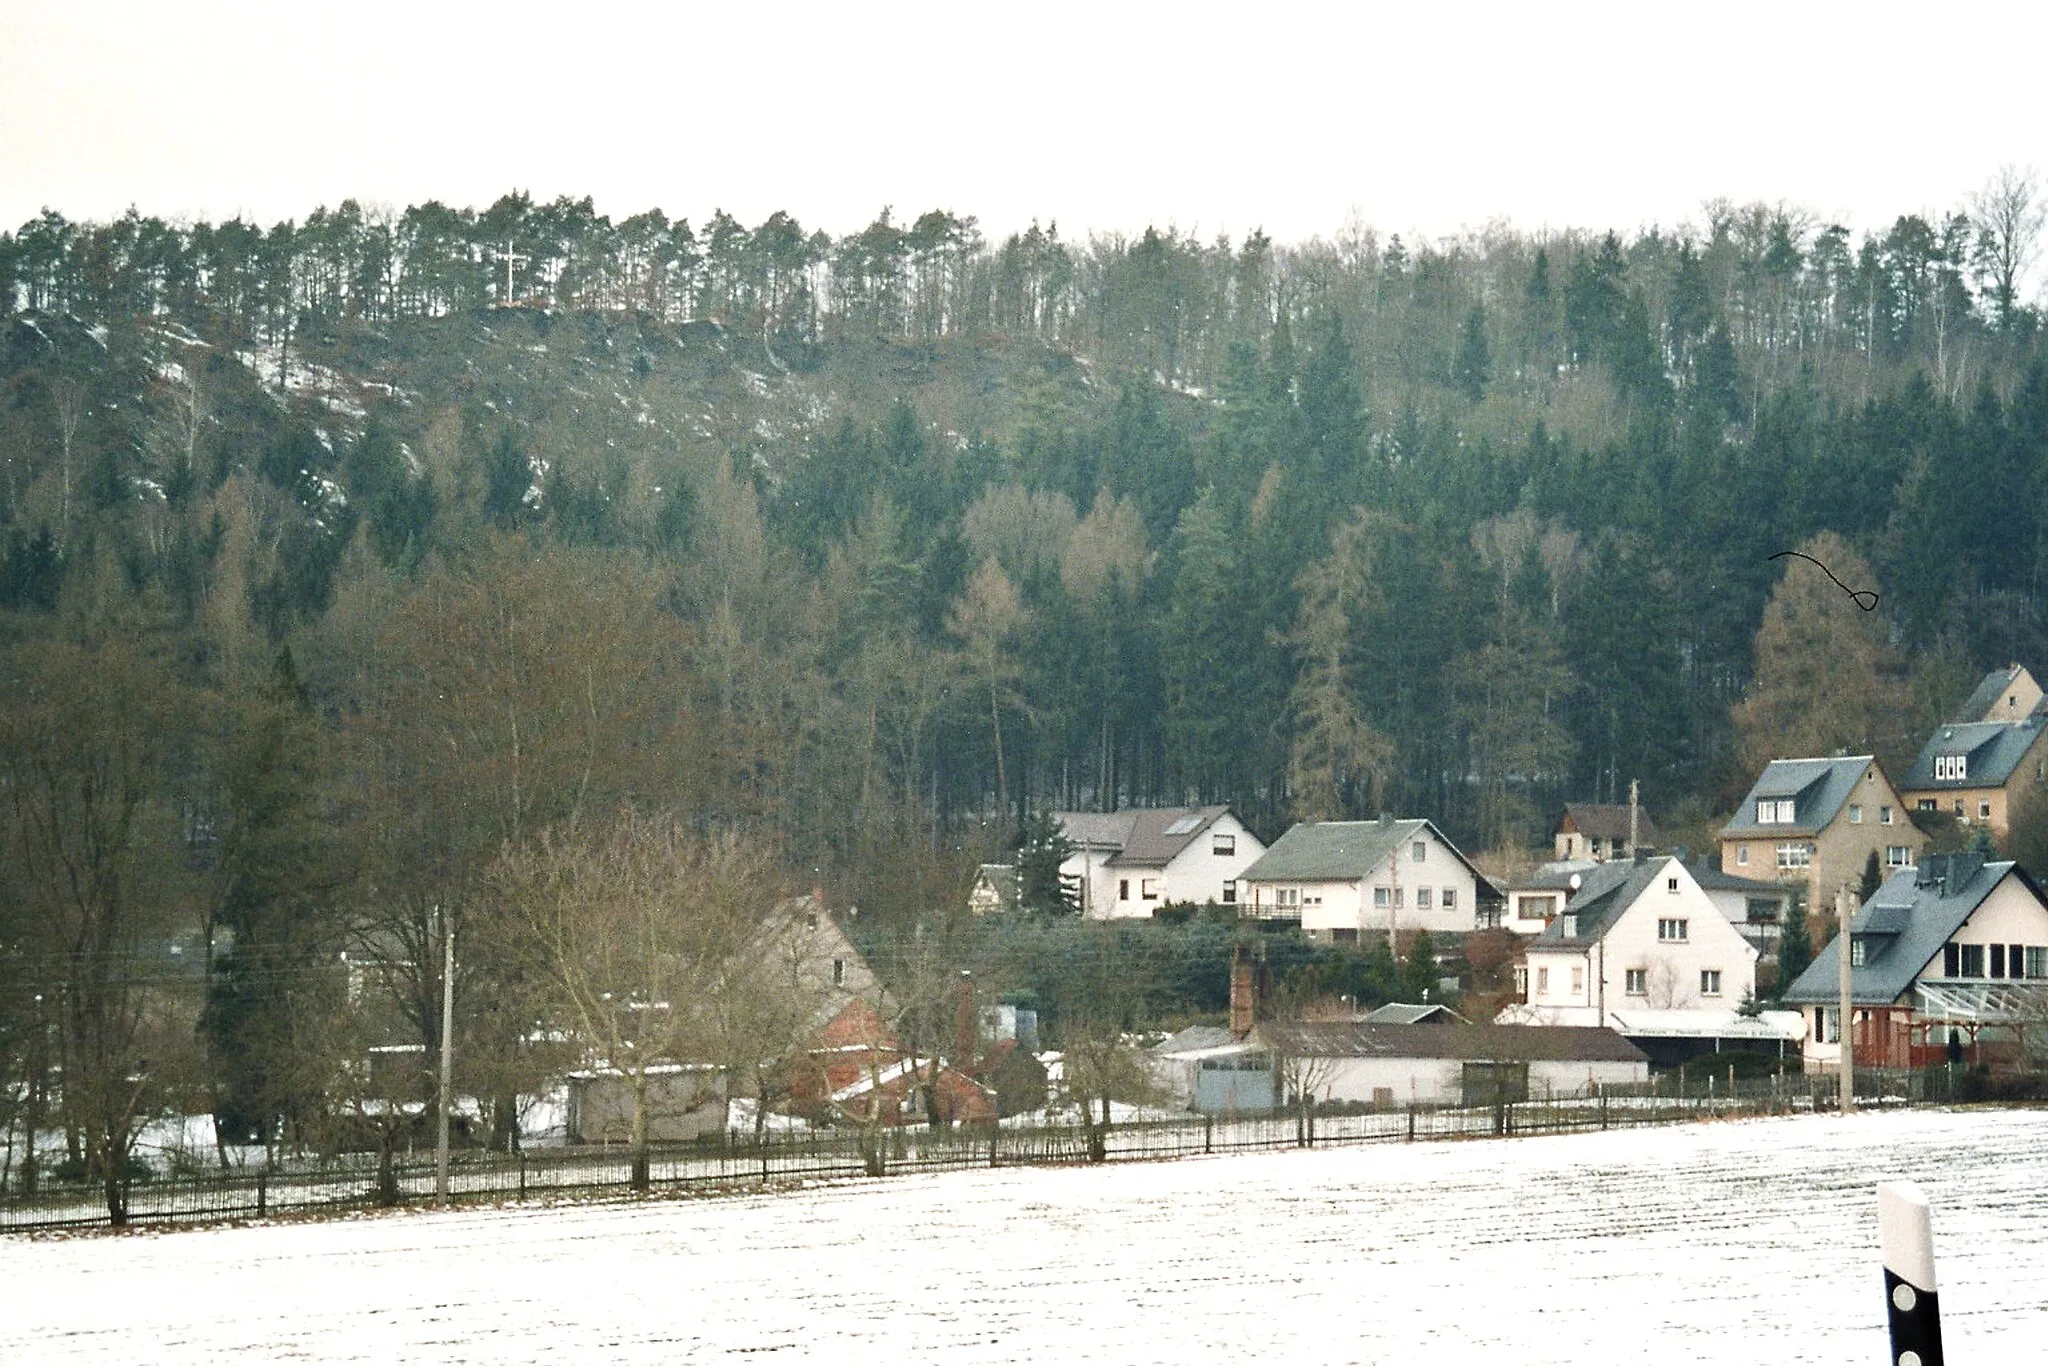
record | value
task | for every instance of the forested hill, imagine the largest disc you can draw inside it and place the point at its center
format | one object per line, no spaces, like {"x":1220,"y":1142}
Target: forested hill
{"x":869,"y":539}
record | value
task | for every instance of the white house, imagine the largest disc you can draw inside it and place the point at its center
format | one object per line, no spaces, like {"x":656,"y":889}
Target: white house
{"x":1955,"y":949}
{"x":1130,"y":863}
{"x":1534,"y":901}
{"x":1639,"y":936}
{"x":1344,"y":879}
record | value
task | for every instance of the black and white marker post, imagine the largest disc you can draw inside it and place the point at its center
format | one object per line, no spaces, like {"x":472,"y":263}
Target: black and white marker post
{"x":1906,"y":1235}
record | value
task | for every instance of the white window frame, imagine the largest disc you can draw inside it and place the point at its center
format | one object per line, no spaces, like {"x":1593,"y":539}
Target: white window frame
{"x":1422,"y":899}
{"x":1795,"y":855}
{"x":1636,"y":981}
{"x":1449,"y":900}
{"x":1742,"y":856}
{"x":1710,"y":981}
{"x":1223,"y":844}
{"x":1672,"y":930}
{"x":1898,"y":856}
{"x":1884,"y":815}
{"x":1418,"y":852}
{"x":1855,"y":813}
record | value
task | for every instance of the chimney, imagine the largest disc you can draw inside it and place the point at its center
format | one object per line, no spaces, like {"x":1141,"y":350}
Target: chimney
{"x":1242,"y":987}
{"x":963,"y":1025}
{"x":1386,"y":818}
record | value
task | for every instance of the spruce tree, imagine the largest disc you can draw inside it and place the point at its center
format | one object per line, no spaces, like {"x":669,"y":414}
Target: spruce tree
{"x":1795,"y":948}
{"x":1474,"y":366}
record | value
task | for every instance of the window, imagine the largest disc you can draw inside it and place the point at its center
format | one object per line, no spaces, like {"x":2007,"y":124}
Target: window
{"x":1287,"y":898}
{"x":1763,"y":910}
{"x":1450,"y":899}
{"x":1522,"y":980}
{"x":1951,"y":768}
{"x":1422,"y":898}
{"x":1637,"y":981}
{"x":1123,"y":889}
{"x":1855,"y":814}
{"x":1775,"y":811}
{"x":1951,"y":960}
{"x":1578,"y":979}
{"x":1710,"y":981}
{"x":1593,"y":848}
{"x":1959,"y":806}
{"x":1671,"y":885}
{"x":1418,"y":851}
{"x":1821,"y":1032}
{"x":839,"y":972}
{"x":1542,"y":981}
{"x":2037,"y":961}
{"x":1229,"y":892}
{"x":1795,"y":855}
{"x":1983,"y":811}
{"x":2012,"y":960}
{"x":1972,"y":960}
{"x":1998,"y":960}
{"x":1898,"y":856}
{"x":1530,"y":907}
{"x":1381,"y":898}
{"x":1859,"y":952}
{"x":1223,"y":845}
{"x":1671,"y":931}
{"x":1929,"y":804}
{"x":1148,"y":888}
{"x":1571,"y":927}
{"x":1884,"y":815}
{"x":1742,"y":855}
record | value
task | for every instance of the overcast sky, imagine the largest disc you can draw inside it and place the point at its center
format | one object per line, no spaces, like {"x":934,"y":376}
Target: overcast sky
{"x":1103,"y":116}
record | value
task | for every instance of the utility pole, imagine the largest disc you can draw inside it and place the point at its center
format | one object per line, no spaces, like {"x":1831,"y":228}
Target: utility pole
{"x":447,"y":1056}
{"x":1845,"y":1028}
{"x":1634,"y":811}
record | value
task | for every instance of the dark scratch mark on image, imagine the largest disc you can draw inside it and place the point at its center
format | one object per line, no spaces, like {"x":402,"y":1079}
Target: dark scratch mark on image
{"x":1864,"y":598}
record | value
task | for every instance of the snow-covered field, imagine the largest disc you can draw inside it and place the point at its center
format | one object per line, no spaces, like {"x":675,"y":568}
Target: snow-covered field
{"x":1750,"y":1241}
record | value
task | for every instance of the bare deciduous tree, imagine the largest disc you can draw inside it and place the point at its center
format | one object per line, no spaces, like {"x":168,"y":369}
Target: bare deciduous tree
{"x":636,"y":930}
{"x":2007,"y":215}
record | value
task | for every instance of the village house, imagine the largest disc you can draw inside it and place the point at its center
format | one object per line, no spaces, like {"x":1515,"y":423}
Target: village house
{"x":1534,"y":900}
{"x":995,"y":889}
{"x":1340,"y":880}
{"x":1814,"y":823}
{"x":1755,"y":908}
{"x":2008,"y":694}
{"x":1976,"y":771}
{"x":1642,"y":948}
{"x":1590,"y":830}
{"x":1947,"y":960}
{"x":1128,"y":864}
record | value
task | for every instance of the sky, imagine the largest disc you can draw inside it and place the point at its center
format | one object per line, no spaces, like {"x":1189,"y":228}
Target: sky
{"x":1301,"y":119}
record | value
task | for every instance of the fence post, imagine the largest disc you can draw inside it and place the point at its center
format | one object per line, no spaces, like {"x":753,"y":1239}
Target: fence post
{"x":522,"y":1173}
{"x":1208,"y":1133}
{"x":1905,"y":1233}
{"x":1411,"y":1121}
{"x":1603,"y":1106}
{"x":262,"y":1192}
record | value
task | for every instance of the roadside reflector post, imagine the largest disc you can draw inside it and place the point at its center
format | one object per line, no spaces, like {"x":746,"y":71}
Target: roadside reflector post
{"x":1906,"y":1236}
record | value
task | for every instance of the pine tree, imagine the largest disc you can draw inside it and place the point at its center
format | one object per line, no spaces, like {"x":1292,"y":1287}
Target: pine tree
{"x":1041,"y":851}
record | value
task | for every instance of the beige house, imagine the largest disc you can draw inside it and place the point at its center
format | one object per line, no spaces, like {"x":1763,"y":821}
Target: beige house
{"x":1975,"y":771}
{"x":1590,"y":830}
{"x":2007,"y":694}
{"x":1815,"y":823}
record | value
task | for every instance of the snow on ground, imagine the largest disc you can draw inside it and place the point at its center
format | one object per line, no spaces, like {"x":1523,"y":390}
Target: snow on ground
{"x":1744,"y":1242}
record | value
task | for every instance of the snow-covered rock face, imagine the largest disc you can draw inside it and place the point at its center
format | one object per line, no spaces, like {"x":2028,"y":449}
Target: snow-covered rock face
{"x":1734,"y":1242}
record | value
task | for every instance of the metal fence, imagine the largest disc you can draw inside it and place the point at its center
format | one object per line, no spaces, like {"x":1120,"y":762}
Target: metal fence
{"x":308,"y":1186}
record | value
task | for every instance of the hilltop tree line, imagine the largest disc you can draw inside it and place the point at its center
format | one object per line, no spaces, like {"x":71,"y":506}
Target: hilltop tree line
{"x":333,"y":566}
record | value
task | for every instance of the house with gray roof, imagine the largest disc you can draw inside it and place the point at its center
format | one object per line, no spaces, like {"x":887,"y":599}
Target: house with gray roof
{"x":1535,"y":898}
{"x":1129,"y":864}
{"x":1754,"y":907}
{"x":1976,"y":771}
{"x":1814,"y":823}
{"x":1948,"y":957}
{"x":1642,"y":942}
{"x":2004,"y":695}
{"x":1340,"y":880}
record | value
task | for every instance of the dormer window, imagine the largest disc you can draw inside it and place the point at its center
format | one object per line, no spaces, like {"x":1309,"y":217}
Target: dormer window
{"x":1571,"y":927}
{"x":1776,"y":811}
{"x":1951,"y":768}
{"x":1859,"y":952}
